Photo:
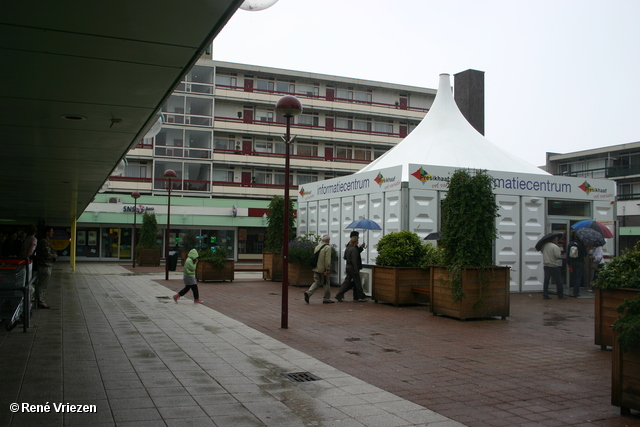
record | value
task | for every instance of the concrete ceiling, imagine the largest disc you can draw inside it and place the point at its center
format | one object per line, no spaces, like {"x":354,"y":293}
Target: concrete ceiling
{"x":114,"y":63}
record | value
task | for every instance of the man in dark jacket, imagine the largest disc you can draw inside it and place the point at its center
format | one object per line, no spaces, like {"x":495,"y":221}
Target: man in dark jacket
{"x":354,"y":264}
{"x":44,"y":262}
{"x":576,"y":264}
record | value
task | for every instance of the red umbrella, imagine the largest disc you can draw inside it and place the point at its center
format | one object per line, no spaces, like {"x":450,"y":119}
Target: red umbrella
{"x":596,"y":225}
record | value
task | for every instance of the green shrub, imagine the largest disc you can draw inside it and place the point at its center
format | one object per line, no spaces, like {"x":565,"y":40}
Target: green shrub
{"x":216,"y":256}
{"x":433,"y":255}
{"x":622,"y":272}
{"x":274,"y":239}
{"x":401,"y":249}
{"x":628,"y":326}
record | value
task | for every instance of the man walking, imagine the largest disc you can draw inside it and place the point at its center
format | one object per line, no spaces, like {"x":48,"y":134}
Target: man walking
{"x":44,"y":262}
{"x":354,"y":264}
{"x":321,"y":271}
{"x":550,"y":256}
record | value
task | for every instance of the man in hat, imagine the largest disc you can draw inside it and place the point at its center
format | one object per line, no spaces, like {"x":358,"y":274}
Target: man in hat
{"x":360,"y":248}
{"x":354,"y":264}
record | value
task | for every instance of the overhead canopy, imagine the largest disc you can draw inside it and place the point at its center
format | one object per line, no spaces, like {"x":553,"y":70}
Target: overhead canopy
{"x":445,"y":138}
{"x":107,"y":66}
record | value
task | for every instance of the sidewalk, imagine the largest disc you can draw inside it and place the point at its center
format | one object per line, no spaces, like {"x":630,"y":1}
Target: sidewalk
{"x":115,"y":339}
{"x":115,"y":345}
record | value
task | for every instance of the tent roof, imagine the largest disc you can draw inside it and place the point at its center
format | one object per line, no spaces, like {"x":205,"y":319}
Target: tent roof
{"x":446,"y":138}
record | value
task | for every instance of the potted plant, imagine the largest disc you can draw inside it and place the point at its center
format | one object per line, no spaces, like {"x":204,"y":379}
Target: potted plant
{"x":214,"y":265}
{"x":617,"y":280}
{"x":398,"y":267}
{"x":187,"y":243}
{"x":469,"y":285}
{"x":272,"y":254}
{"x":148,"y":249}
{"x":300,"y":253}
{"x":625,"y":372}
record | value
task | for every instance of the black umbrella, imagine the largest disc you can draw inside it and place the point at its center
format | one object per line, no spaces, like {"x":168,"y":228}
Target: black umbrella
{"x":433,"y":236}
{"x":547,"y":238}
{"x":590,"y":237}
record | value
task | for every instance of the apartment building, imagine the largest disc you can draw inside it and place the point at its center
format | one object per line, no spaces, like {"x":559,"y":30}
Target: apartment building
{"x":222,"y":136}
{"x":620,"y":163}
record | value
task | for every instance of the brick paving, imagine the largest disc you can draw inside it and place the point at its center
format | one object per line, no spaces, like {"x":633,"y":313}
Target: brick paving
{"x":539,"y":367}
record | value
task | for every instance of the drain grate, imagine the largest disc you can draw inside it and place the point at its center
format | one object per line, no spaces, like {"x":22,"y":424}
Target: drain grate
{"x":301,"y":377}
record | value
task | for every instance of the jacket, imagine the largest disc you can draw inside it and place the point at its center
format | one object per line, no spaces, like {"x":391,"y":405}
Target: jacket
{"x":44,"y":254}
{"x":324,"y":259}
{"x":189,"y":269}
{"x":582,"y":252}
{"x":354,"y":262}
{"x":550,"y":254}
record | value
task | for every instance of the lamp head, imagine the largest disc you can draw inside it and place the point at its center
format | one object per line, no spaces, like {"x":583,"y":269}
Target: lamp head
{"x":170,"y":174}
{"x":135,"y":195}
{"x":288,"y":106}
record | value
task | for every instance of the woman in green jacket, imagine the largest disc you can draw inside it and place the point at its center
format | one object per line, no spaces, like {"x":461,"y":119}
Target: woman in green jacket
{"x":189,"y":278}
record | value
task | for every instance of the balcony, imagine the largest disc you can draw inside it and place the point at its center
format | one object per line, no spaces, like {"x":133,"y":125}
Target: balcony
{"x":618,"y":171}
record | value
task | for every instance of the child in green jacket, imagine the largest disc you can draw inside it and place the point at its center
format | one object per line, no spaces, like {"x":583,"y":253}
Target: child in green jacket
{"x":189,"y":278}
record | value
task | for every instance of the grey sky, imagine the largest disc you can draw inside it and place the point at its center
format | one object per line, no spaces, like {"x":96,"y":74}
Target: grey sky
{"x":560,"y":75}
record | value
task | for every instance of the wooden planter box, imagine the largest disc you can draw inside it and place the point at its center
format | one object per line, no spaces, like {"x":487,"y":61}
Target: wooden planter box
{"x":494,"y":293}
{"x":625,"y":377}
{"x":300,"y":274}
{"x":606,"y":302}
{"x":149,"y":257}
{"x":272,"y":267}
{"x":206,"y":271}
{"x":393,"y":284}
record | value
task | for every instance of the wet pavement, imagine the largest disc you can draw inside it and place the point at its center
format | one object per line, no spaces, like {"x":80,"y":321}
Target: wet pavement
{"x":115,"y":338}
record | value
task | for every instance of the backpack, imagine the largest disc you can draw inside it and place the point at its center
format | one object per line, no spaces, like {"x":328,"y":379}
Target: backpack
{"x":314,"y":259}
{"x":573,"y":250}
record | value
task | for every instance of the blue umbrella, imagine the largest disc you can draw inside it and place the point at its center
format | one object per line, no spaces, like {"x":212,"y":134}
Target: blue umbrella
{"x":364,"y":224}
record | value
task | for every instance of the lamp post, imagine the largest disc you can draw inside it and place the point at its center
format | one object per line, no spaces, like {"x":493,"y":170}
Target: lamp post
{"x":135,"y":196}
{"x":289,"y":107}
{"x":169,"y":174}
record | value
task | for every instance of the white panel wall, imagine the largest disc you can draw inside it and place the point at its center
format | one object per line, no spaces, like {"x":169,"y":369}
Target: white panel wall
{"x":376,"y":213}
{"x":532,"y":220}
{"x":392,"y":212}
{"x":507,"y":246}
{"x":335,"y":232}
{"x":312,"y":218}
{"x":423,"y":212}
{"x":323,"y":217}
{"x":302,"y":219}
{"x":362,"y":211}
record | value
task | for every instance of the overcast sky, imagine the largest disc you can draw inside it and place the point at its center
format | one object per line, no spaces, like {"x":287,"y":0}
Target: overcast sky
{"x":560,"y":75}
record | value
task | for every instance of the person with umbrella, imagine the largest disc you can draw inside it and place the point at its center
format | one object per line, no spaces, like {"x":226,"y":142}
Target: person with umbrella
{"x":550,"y":256}
{"x":354,"y":264}
{"x":352,"y":285}
{"x":575,"y":260}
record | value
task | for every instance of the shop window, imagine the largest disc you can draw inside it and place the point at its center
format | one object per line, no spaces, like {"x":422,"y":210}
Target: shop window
{"x":251,"y":240}
{"x":571,"y":208}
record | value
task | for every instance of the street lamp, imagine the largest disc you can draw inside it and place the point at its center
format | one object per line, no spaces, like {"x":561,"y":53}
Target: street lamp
{"x":169,"y":174}
{"x":135,"y":196}
{"x":289,"y":107}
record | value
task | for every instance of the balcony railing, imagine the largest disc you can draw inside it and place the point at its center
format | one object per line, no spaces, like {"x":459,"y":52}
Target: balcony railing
{"x":616,"y":171}
{"x":342,"y":100}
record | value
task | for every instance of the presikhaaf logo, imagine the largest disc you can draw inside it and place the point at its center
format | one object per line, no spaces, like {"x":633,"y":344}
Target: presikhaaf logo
{"x":421,"y":175}
{"x":588,"y":188}
{"x":302,"y":192}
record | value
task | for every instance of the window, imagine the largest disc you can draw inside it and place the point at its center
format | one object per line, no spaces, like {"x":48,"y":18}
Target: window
{"x":266,"y":85}
{"x":344,"y":94}
{"x":263,"y":115}
{"x":224,"y":144}
{"x":362,"y":96}
{"x":361,"y":154}
{"x":568,"y":208}
{"x":305,"y":179}
{"x":362,"y":125}
{"x":383,"y":127}
{"x":343,"y":152}
{"x":263,"y":147}
{"x":285,"y":87}
{"x":342,"y":123}
{"x":308,"y":90}
{"x":226,"y":80}
{"x":222,"y":175}
{"x":308,"y":119}
{"x":197,"y":176}
{"x":307,"y":150}
{"x":262,"y":177}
